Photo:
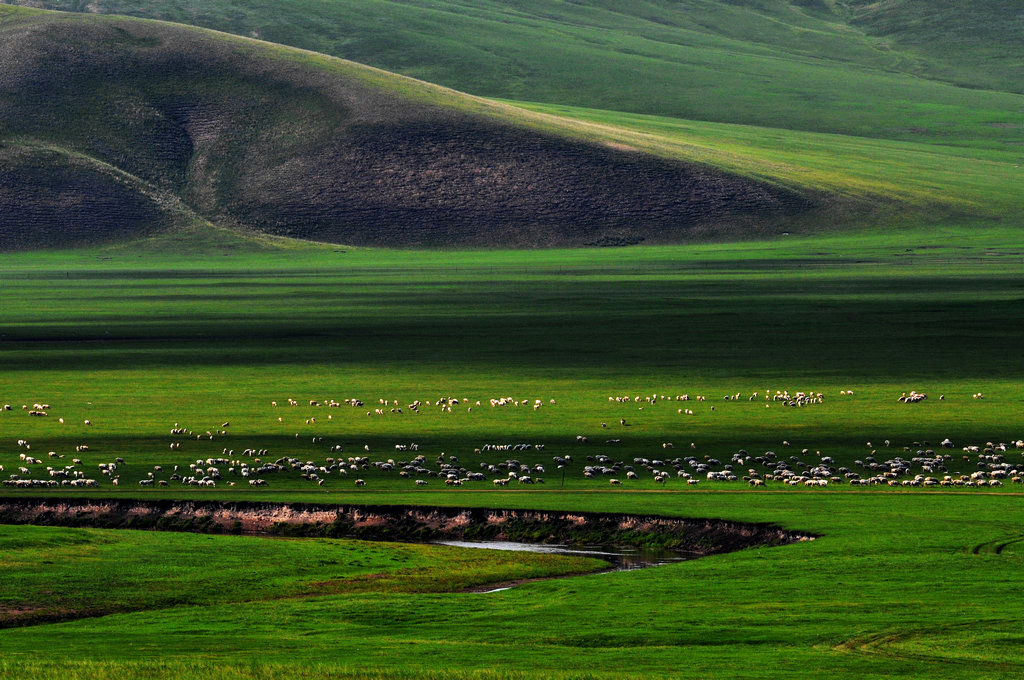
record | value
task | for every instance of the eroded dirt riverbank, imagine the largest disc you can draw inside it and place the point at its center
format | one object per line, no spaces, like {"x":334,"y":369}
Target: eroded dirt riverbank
{"x":695,"y":537}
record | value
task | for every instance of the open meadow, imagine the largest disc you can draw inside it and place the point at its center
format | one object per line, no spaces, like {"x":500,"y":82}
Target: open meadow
{"x":740,"y":281}
{"x":903,"y":580}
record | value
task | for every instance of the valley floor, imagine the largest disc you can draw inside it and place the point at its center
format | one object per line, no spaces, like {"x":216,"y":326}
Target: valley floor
{"x":903,"y":582}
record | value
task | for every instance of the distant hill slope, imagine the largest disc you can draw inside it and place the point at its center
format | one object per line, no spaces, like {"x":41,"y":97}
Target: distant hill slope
{"x":972,"y":43}
{"x":898,"y":69}
{"x":111,"y":126}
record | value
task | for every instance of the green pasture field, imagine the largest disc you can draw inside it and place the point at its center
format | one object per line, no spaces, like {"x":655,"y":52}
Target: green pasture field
{"x":202,"y":330}
{"x":141,"y":348}
{"x":914,"y":585}
{"x":114,"y":571}
{"x":138,"y":338}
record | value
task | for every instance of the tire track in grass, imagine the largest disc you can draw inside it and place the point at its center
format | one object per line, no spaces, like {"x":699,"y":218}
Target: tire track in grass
{"x":996,"y":546}
{"x":1002,"y":546}
{"x":881,"y":644}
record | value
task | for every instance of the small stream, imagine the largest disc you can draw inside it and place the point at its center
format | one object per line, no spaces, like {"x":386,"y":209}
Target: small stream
{"x":621,"y":558}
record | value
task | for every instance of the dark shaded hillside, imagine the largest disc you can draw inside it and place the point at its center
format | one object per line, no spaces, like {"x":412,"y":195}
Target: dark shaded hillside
{"x":277,"y":141}
{"x":52,"y":199}
{"x":481,"y":184}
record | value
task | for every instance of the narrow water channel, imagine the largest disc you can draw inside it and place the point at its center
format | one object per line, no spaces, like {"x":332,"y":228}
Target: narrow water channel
{"x":619,"y":557}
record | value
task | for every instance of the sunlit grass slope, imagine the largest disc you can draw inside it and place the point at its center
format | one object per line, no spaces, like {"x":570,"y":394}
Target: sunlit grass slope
{"x":931,"y":177}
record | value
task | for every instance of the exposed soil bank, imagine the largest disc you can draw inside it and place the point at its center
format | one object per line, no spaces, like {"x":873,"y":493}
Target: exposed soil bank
{"x":401,"y":523}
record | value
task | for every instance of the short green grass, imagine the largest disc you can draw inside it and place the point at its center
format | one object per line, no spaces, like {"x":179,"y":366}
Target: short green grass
{"x":163,"y":130}
{"x":54,"y":573}
{"x":226,"y":337}
{"x":137,"y":349}
{"x":901,"y":583}
{"x":892,"y":589}
{"x":203,"y":327}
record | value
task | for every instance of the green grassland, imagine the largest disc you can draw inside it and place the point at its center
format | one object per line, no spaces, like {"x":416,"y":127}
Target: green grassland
{"x":198,"y":331}
{"x":137,"y":345}
{"x":56,"y":574}
{"x":901,"y":583}
{"x":899,"y":586}
{"x":211,"y":128}
{"x":931,"y":177}
{"x":899,"y":124}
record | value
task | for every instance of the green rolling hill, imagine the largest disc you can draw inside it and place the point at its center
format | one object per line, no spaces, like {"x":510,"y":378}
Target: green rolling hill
{"x":945,"y":70}
{"x":649,"y":122}
{"x":278,"y":141}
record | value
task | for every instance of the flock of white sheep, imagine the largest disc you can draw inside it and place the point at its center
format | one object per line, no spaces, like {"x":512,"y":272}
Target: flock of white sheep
{"x":503,"y":464}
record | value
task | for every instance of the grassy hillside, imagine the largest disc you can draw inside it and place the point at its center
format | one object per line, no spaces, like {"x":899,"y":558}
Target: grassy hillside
{"x":971,"y":43}
{"x":939,"y":180}
{"x":160,"y":127}
{"x":279,"y":141}
{"x":941,"y":71}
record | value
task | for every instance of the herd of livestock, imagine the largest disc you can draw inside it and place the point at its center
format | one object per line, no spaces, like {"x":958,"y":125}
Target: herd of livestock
{"x":517,"y":464}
